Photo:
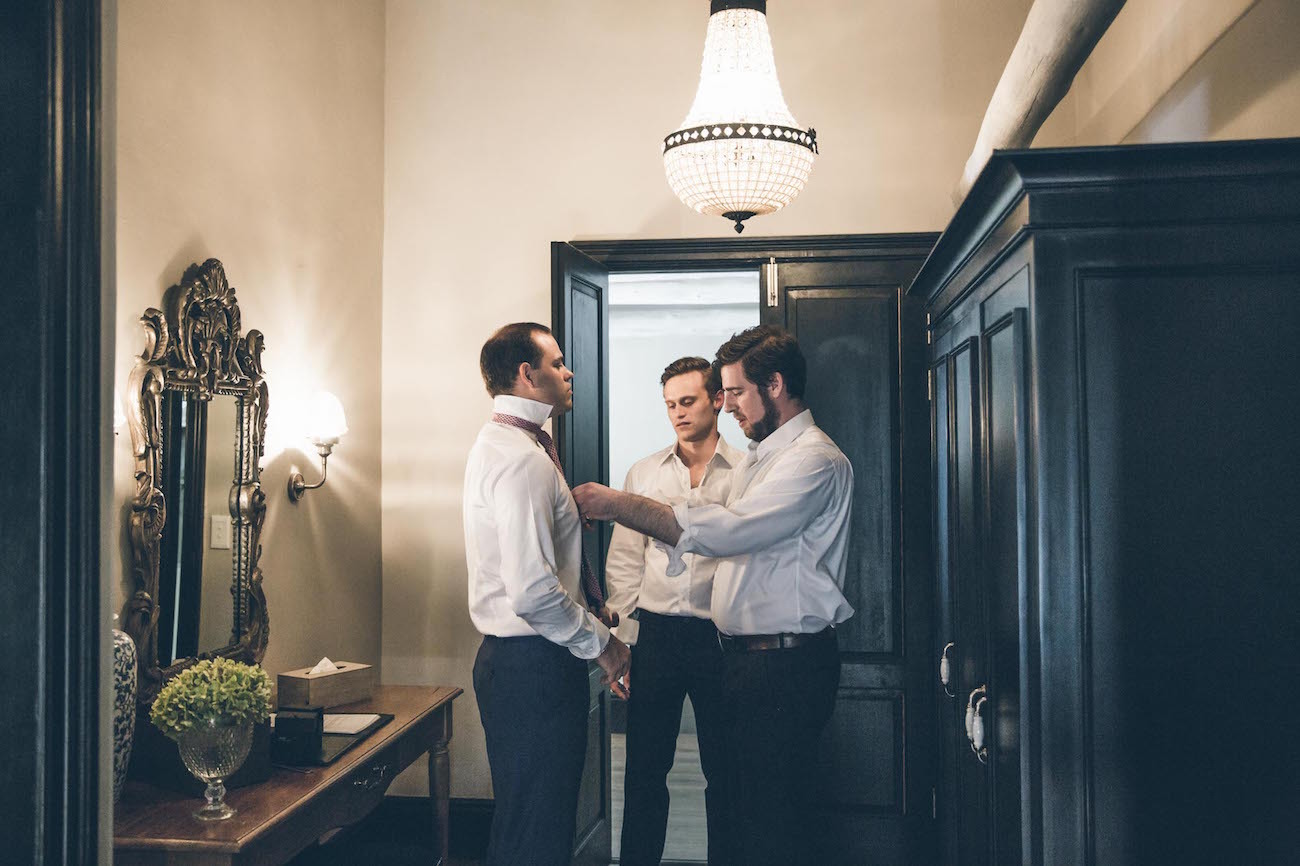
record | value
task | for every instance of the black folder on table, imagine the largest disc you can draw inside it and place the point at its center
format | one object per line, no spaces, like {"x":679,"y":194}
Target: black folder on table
{"x":299,"y":738}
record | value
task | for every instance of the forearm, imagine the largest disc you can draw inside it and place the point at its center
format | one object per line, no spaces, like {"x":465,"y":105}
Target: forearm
{"x":647,"y":517}
{"x":554,"y":615}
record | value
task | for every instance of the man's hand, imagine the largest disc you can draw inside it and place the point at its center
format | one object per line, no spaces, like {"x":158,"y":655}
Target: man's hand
{"x":622,"y":688}
{"x":614,"y":660}
{"x":607,"y":616}
{"x":596,"y":501}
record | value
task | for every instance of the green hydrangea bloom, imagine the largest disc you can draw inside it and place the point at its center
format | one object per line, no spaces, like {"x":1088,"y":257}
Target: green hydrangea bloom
{"x":230,"y":691}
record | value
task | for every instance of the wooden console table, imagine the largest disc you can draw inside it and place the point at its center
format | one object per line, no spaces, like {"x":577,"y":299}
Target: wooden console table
{"x":280,"y":817}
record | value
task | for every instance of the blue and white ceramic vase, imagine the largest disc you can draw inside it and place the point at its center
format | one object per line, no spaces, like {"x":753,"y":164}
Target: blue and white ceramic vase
{"x":123,"y":706}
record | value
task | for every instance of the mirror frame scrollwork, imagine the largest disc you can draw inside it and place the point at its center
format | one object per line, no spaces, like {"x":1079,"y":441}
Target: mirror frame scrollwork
{"x":196,"y":346}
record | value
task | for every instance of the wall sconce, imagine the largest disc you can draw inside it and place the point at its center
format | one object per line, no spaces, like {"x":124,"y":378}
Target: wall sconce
{"x":326,"y":425}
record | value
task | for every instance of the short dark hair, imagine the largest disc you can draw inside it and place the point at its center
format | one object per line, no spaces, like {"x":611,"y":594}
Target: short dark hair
{"x":763,"y":351}
{"x":692,"y":364}
{"x":505,"y":350}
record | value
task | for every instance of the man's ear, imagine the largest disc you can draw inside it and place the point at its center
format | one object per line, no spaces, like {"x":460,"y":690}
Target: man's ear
{"x":717,"y":401}
{"x":525,"y":373}
{"x":776,"y":385}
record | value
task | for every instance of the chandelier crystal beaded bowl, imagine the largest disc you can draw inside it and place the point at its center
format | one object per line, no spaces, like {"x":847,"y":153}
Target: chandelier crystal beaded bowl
{"x":739,"y":152}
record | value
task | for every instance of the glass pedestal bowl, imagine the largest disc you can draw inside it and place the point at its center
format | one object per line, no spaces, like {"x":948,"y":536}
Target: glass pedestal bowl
{"x":212,"y":750}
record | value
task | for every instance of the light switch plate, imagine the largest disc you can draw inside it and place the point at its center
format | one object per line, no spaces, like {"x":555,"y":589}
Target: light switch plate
{"x":220,"y":532}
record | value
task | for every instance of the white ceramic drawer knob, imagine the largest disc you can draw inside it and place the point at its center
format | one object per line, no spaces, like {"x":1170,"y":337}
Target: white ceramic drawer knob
{"x":975,"y":695}
{"x":945,"y":666}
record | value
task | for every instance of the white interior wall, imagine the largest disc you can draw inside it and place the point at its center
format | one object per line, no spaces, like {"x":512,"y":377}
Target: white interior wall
{"x":1246,"y":85}
{"x":512,"y":124}
{"x":253,"y":132}
{"x":1186,"y":70}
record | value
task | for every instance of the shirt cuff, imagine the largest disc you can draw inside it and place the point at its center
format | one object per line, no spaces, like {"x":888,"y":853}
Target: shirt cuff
{"x":676,"y":565}
{"x":594,"y":645}
{"x":627,"y":630}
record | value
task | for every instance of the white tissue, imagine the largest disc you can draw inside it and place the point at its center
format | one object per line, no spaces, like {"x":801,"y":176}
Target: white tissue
{"x":324,"y":666}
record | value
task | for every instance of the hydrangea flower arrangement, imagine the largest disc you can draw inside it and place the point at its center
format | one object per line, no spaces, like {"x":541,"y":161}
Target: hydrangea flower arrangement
{"x":230,"y":691}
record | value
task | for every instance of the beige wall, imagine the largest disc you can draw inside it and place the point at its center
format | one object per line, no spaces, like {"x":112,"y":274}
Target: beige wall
{"x":253,"y":132}
{"x":1186,"y":70}
{"x":513,"y":124}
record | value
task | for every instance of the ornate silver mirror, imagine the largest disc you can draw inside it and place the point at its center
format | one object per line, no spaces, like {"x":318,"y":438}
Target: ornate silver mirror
{"x":196,"y":406}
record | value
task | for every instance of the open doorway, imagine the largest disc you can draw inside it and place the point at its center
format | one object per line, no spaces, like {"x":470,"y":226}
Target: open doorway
{"x":654,"y":319}
{"x":844,"y":298}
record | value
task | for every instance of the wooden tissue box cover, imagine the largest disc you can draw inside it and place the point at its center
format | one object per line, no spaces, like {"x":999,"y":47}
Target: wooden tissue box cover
{"x":301,"y":688}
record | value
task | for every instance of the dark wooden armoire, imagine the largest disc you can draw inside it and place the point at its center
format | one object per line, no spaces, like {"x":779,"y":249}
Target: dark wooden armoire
{"x":1115,"y":403}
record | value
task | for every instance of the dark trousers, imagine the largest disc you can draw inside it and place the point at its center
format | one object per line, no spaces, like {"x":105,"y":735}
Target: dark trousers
{"x":532,"y":697}
{"x":674,"y":656}
{"x":782,"y":700}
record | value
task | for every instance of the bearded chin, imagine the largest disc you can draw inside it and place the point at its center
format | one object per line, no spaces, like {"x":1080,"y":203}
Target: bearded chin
{"x":763,"y":427}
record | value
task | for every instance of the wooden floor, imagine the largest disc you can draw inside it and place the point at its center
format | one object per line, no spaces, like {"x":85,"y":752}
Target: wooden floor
{"x":687,"y":839}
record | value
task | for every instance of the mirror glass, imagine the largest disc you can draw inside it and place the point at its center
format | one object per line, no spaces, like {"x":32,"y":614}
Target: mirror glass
{"x":196,"y":611}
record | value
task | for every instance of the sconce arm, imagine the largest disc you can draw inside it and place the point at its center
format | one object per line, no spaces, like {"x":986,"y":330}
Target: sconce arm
{"x":298,"y":486}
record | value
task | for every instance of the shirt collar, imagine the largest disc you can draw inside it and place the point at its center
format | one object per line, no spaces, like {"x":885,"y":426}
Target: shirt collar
{"x":728,"y":453}
{"x":724,"y":453}
{"x":522,"y":407}
{"x":783,"y":435}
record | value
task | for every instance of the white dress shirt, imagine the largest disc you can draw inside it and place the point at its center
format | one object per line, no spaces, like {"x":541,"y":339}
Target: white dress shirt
{"x":636,"y":570}
{"x":523,"y":538}
{"x":784,"y":533}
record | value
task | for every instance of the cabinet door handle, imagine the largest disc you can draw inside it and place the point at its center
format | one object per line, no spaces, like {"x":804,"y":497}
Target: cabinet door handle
{"x":970,"y":711}
{"x":945,"y":670}
{"x":977,"y":731}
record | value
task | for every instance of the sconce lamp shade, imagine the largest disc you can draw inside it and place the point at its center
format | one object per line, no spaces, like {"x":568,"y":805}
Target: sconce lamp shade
{"x":325,"y":425}
{"x":739,"y":152}
{"x":326,"y":422}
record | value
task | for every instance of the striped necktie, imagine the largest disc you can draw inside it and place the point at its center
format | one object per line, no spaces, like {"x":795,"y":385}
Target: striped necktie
{"x":590,"y":586}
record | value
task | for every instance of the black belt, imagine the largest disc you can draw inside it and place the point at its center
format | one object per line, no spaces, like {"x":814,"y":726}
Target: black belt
{"x":748,"y":643}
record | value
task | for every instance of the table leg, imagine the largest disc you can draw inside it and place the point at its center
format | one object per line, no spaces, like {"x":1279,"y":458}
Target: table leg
{"x":440,"y":785}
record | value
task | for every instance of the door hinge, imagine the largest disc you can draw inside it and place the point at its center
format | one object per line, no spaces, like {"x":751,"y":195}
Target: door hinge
{"x":771,"y":282}
{"x":928,"y":335}
{"x":929,"y":386}
{"x":934,"y":804}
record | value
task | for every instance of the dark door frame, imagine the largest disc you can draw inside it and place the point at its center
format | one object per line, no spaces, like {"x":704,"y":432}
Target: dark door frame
{"x":710,"y":254}
{"x":717,"y":254}
{"x":51,"y":440}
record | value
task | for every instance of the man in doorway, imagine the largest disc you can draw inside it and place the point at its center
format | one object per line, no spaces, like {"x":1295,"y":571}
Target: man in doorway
{"x":784,"y":537}
{"x":667,"y":618}
{"x":523,"y":548}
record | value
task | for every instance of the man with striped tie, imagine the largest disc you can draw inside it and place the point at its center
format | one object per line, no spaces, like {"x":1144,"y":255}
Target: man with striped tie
{"x":528,"y":581}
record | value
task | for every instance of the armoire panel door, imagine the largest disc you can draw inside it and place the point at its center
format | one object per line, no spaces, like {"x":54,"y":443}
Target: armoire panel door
{"x":970,"y":633}
{"x":1008,"y":591}
{"x":945,"y":796}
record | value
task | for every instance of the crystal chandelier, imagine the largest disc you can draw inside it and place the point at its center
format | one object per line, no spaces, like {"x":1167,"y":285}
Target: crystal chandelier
{"x":739,"y":152}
